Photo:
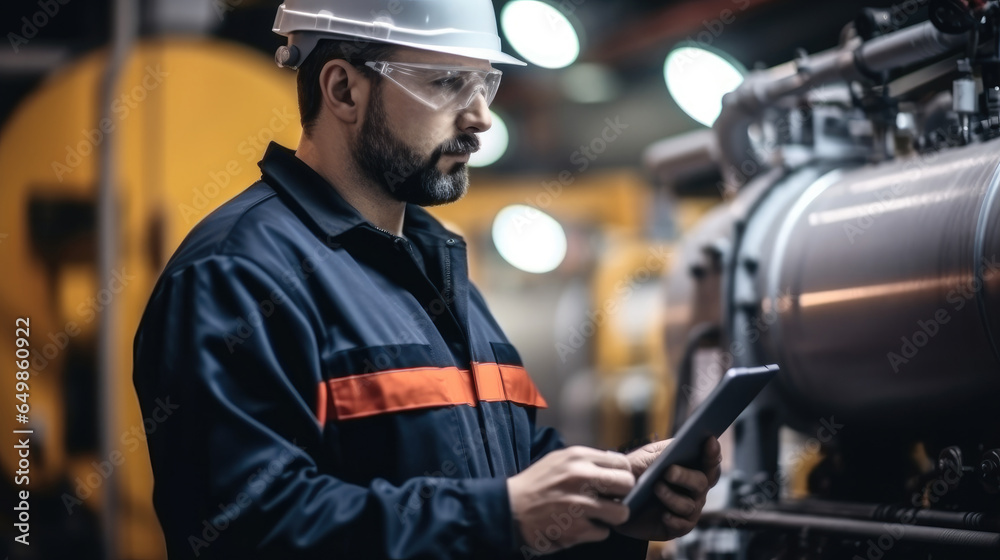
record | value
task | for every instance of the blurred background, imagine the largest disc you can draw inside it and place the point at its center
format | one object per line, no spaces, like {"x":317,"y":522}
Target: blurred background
{"x":124,"y":123}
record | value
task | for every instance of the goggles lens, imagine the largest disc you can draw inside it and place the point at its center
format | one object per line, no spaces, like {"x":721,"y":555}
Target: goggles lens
{"x":441,"y":87}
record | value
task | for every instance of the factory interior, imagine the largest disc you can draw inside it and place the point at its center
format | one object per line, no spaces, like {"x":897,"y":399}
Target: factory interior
{"x":669,"y":189}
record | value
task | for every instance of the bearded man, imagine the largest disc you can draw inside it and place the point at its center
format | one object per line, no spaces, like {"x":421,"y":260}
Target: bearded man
{"x":342,"y":390}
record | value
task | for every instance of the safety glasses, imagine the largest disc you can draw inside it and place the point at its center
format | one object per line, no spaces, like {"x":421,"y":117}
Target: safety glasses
{"x":440,"y":87}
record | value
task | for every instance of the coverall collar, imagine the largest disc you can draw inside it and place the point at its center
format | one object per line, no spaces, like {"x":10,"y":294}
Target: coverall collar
{"x":294,"y":180}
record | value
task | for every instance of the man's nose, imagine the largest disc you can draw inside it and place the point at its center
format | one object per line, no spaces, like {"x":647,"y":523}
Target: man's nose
{"x":476,"y":117}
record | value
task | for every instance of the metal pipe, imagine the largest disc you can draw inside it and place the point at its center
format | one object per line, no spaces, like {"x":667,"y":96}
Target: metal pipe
{"x":977,"y":521}
{"x":680,"y":157}
{"x":907,"y":47}
{"x":125,"y":29}
{"x":796,"y":522}
{"x":853,"y":61}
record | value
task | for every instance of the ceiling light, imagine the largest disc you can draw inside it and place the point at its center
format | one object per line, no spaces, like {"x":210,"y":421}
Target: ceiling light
{"x":540,"y":33}
{"x":697,"y":78}
{"x":529,"y":239}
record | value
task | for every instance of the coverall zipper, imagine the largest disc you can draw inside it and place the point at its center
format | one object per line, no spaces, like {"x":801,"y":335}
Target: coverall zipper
{"x":445,"y":297}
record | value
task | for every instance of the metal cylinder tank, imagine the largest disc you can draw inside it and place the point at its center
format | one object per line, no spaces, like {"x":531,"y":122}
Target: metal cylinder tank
{"x":886,"y":286}
{"x":877,"y":288}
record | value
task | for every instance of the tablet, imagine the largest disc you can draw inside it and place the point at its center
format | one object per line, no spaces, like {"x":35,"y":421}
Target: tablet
{"x":734,"y":393}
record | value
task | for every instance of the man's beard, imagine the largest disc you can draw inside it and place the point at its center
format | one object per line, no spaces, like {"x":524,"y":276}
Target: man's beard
{"x":388,"y":162}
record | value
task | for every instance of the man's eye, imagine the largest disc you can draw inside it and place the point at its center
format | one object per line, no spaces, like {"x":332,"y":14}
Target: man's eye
{"x":449,"y":82}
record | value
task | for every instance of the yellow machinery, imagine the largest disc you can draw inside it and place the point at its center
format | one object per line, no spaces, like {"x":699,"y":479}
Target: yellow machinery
{"x":191,"y":119}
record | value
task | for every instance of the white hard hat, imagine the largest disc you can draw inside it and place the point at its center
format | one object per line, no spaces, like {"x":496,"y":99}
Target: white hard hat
{"x":460,"y":27}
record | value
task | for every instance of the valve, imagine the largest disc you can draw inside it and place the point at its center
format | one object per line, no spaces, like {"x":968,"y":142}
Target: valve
{"x":989,"y":470}
{"x":964,"y":98}
{"x":954,"y":16}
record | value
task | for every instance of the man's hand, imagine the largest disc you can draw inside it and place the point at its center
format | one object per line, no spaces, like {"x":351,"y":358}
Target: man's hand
{"x":681,"y":493}
{"x":567,"y":497}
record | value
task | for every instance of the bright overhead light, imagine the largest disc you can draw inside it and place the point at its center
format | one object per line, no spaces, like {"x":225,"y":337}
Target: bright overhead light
{"x":697,"y":78}
{"x":529,"y":239}
{"x":540,"y":33}
{"x":492,"y":143}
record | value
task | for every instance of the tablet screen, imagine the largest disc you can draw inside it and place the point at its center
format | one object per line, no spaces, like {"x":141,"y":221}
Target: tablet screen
{"x":719,"y":410}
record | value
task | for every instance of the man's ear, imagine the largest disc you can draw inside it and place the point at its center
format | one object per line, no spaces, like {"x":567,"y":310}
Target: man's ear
{"x":344,"y":90}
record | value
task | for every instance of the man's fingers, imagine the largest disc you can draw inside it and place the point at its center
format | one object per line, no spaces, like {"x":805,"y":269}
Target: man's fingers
{"x":714,"y":475}
{"x":678,"y":504}
{"x":695,"y":482}
{"x":594,"y":532}
{"x":609,"y":512}
{"x":610,"y":459}
{"x":713,"y":461}
{"x":712,"y":454}
{"x":657,"y":446}
{"x":678,"y":526}
{"x":606,"y":481}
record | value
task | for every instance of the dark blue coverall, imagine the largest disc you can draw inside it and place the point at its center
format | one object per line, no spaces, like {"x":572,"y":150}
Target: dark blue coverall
{"x":340,"y":392}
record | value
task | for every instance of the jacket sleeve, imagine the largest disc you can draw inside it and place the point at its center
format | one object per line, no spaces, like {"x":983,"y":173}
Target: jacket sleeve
{"x":617,"y":546}
{"x":237,"y":461}
{"x":544,"y":440}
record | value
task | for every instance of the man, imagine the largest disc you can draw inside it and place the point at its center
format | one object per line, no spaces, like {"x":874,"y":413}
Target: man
{"x":341,"y":389}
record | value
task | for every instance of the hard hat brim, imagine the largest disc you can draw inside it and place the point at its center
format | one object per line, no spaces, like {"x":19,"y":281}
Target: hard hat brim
{"x":305,"y":27}
{"x":305,"y":42}
{"x":494,"y":57}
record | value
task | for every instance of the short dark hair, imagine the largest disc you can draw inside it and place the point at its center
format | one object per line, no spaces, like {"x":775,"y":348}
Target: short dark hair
{"x":355,"y":52}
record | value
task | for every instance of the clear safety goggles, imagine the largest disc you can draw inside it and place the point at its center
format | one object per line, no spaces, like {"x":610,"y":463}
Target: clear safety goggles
{"x":441,"y":87}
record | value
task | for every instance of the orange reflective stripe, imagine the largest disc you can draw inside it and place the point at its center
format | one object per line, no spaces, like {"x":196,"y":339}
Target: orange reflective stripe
{"x":520,"y":388}
{"x":488,"y":382}
{"x":396,"y":390}
{"x":501,"y":382}
{"x":321,"y":404}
